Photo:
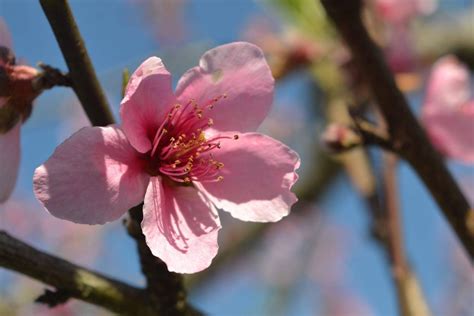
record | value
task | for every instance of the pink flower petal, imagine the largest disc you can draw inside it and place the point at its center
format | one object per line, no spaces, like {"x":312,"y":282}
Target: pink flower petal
{"x":448,"y":112}
{"x":9,"y":161}
{"x":239,"y":71}
{"x":180,"y":226}
{"x":452,"y":131}
{"x":92,"y":178}
{"x":258,"y":175}
{"x":147,"y":100}
{"x":449,"y":84}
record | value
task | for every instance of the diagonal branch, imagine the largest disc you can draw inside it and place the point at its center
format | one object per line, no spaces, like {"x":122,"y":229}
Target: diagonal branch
{"x":76,"y":281}
{"x":402,"y":124}
{"x":85,"y":82}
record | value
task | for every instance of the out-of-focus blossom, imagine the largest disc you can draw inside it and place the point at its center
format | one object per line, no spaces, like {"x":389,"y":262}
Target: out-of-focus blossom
{"x":286,"y":51}
{"x":166,"y":18}
{"x":448,"y":109}
{"x":399,"y":46}
{"x":183,"y":154}
{"x":338,"y":137}
{"x":400,"y":53}
{"x":402,"y":11}
{"x":17,"y":93}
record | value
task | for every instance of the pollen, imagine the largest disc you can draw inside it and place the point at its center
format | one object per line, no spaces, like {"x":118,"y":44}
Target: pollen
{"x":186,"y":153}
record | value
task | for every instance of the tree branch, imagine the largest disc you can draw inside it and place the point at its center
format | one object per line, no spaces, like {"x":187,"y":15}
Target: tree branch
{"x":85,"y":82}
{"x":78,"y":282}
{"x":410,"y":296}
{"x":165,"y":289}
{"x":402,"y":124}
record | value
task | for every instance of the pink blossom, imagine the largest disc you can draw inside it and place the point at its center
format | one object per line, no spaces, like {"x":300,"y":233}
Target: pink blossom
{"x":448,"y":109}
{"x":184,"y":154}
{"x":402,"y":11}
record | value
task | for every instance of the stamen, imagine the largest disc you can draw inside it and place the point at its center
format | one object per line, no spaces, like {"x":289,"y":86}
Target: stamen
{"x":186,"y":155}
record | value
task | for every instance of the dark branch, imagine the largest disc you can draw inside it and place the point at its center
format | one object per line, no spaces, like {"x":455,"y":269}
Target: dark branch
{"x":85,"y":82}
{"x":53,"y":298}
{"x":72,"y":280}
{"x":402,"y":124}
{"x":165,"y":289}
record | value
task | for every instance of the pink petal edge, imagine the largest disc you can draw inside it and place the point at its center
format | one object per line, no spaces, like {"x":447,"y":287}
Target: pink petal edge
{"x":148,"y":98}
{"x":180,"y":227}
{"x":259,"y":173}
{"x":239,"y":71}
{"x":93,"y":177}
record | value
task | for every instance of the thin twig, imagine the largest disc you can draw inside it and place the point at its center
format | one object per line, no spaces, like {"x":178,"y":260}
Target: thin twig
{"x":402,"y":124}
{"x":410,"y":296}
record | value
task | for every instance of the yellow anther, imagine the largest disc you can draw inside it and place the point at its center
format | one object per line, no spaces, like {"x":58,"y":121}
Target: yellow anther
{"x":187,"y":180}
{"x":220,"y":178}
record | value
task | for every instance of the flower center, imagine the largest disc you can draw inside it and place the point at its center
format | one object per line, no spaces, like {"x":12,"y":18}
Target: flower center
{"x":181,"y":151}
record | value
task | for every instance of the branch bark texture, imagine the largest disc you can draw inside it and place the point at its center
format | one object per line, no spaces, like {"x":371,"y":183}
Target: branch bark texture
{"x":78,"y":282}
{"x":85,"y":82}
{"x":403,"y":127}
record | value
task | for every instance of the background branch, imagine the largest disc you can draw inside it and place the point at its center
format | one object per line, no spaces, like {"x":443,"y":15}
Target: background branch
{"x":410,"y":296}
{"x":402,"y":124}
